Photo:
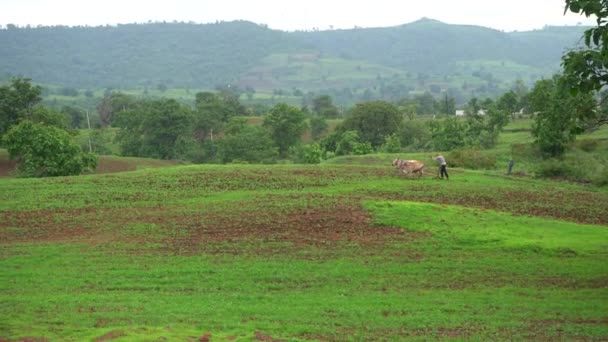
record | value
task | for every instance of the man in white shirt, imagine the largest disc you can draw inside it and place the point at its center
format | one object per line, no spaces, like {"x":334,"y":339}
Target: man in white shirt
{"x":442,"y":167}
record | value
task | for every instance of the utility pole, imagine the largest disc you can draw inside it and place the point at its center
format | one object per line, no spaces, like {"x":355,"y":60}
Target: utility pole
{"x":89,"y":133}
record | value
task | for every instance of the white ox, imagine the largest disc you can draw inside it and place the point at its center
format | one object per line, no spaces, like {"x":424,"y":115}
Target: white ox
{"x":409,"y":166}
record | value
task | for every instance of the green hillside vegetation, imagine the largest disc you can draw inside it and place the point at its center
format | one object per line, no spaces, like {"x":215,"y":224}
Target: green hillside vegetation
{"x":426,"y":55}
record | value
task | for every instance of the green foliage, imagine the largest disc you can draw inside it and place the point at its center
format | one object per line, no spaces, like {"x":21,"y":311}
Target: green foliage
{"x":415,"y":135}
{"x":392,"y":144}
{"x":447,"y":105}
{"x":246,"y":143}
{"x":509,"y":103}
{"x":17,"y":101}
{"x":318,"y":125}
{"x":350,"y":143}
{"x":471,"y":159}
{"x":551,"y":168}
{"x":75,"y":116}
{"x":587,"y":68}
{"x":101,"y":141}
{"x":113,"y":103}
{"x":49,"y":116}
{"x":323,"y":106}
{"x":155,"y":129}
{"x":42,"y":150}
{"x":306,"y":154}
{"x":559,"y":114}
{"x":588,"y":145}
{"x":447,"y":134}
{"x":373,"y":121}
{"x":602,"y":179}
{"x":286,"y":124}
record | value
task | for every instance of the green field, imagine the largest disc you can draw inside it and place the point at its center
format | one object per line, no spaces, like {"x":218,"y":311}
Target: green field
{"x":342,"y":251}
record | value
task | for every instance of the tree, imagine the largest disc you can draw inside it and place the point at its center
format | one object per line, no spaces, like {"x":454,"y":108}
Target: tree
{"x":286,"y":124}
{"x":350,"y":143}
{"x":473,"y":107}
{"x":508,"y":103}
{"x":75,"y":116}
{"x":448,"y":134}
{"x":213,"y":111}
{"x":247,"y":143}
{"x":211,"y":115}
{"x":318,"y":125}
{"x":447,"y":106}
{"x":113,"y":103}
{"x":560,"y":114}
{"x":42,"y":150}
{"x":155,"y":129}
{"x":374,"y":121}
{"x":586,"y":69}
{"x":426,"y":103}
{"x":17,"y":101}
{"x":323,"y":106}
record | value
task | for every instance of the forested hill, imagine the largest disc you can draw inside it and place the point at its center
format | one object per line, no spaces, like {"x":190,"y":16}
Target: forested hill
{"x":205,"y":55}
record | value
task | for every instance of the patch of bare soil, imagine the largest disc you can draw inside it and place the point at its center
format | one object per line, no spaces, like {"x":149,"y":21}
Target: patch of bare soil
{"x":111,"y":335}
{"x":259,"y":336}
{"x":580,"y":207}
{"x":7,"y":167}
{"x":319,"y":228}
{"x":211,"y":231}
{"x":551,"y":329}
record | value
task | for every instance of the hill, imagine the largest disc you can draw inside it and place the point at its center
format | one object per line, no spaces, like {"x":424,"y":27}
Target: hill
{"x":422,"y":55}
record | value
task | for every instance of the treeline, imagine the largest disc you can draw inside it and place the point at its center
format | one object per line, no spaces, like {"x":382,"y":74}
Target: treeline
{"x":216,"y":127}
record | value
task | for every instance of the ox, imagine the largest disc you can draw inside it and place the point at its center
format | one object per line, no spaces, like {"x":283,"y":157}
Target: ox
{"x":409,"y":166}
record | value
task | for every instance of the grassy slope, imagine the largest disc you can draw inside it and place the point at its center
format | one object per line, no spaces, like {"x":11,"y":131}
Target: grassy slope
{"x":301,"y":252}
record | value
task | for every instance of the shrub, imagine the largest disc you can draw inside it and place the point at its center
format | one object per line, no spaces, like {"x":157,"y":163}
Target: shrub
{"x":588,"y":145}
{"x":602,"y":179}
{"x":306,"y":154}
{"x":42,"y":150}
{"x":551,"y":168}
{"x":392,"y":144}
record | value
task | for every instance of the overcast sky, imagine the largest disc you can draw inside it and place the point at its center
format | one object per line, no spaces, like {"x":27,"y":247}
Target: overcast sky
{"x":507,"y":15}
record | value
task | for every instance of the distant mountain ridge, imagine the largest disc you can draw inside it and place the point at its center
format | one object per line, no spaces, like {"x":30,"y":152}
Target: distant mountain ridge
{"x":206,"y":55}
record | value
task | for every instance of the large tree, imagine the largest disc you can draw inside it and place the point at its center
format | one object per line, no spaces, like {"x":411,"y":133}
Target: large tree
{"x":43,"y":150}
{"x":586,"y":69}
{"x":560,"y":114}
{"x":112,"y":103}
{"x":324,"y":107}
{"x":374,"y":121}
{"x":155,"y":129}
{"x":246,"y":143}
{"x":17,"y":101}
{"x":286,"y":124}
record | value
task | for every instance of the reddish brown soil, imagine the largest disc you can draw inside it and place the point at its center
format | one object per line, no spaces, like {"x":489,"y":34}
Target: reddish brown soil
{"x":210,"y":231}
{"x":111,"y":335}
{"x":105,"y":165}
{"x":259,"y":336}
{"x":7,"y":167}
{"x":581,"y":207}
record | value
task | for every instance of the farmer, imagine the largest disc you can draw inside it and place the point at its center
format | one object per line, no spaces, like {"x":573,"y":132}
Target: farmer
{"x":442,"y":167}
{"x":511,"y":163}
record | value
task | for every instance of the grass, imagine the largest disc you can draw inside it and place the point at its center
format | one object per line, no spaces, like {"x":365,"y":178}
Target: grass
{"x":347,"y":251}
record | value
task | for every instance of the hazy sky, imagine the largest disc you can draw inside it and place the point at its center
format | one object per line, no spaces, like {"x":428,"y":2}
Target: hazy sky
{"x":507,"y":15}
